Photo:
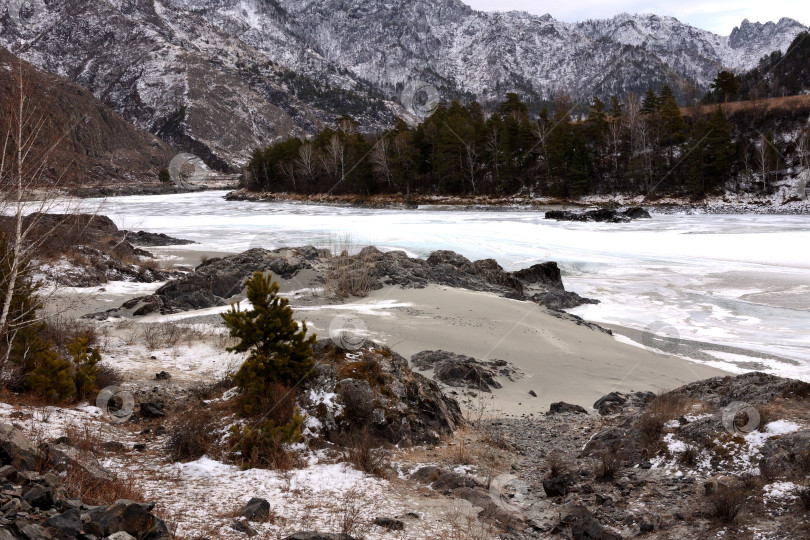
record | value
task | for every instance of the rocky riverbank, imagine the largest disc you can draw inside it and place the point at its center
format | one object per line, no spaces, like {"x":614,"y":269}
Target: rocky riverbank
{"x":218,"y":281}
{"x":778,"y":204}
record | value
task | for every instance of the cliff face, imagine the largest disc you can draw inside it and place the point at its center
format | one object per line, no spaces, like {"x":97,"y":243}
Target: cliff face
{"x":99,"y":147}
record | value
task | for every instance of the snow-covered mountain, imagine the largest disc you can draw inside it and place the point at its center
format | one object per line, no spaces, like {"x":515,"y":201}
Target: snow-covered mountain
{"x":486,"y":54}
{"x":219,"y":77}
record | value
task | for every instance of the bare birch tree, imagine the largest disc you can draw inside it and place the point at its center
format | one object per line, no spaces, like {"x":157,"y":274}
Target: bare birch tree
{"x":28,"y":147}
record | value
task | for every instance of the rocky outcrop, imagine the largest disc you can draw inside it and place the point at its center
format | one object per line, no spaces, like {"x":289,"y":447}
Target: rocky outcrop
{"x":462,"y":486}
{"x":16,"y":449}
{"x":37,"y":506}
{"x":603,"y":215}
{"x":84,"y":250}
{"x":461,"y":371}
{"x":377,"y":395}
{"x":98,"y":146}
{"x":143,"y":238}
{"x":219,"y":280}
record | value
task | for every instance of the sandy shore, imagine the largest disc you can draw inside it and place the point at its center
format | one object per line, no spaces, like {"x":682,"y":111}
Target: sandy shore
{"x":561,"y":360}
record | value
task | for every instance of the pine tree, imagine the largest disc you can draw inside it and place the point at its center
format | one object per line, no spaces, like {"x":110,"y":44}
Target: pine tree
{"x":719,"y":150}
{"x":279,"y":350}
{"x":650,"y":103}
{"x":51,"y":377}
{"x":726,"y":83}
{"x":85,"y":362}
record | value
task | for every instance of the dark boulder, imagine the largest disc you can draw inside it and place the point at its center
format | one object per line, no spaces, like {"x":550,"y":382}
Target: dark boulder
{"x":602,"y":215}
{"x":256,"y":510}
{"x":143,"y":238}
{"x":389,"y":523}
{"x":563,"y":407}
{"x":319,"y":536}
{"x":582,"y":525}
{"x":379,"y":396}
{"x":636,"y":212}
{"x":16,"y":449}
{"x":461,"y":371}
{"x":68,"y":523}
{"x":128,"y":516}
{"x":152,"y":410}
{"x":557,"y":486}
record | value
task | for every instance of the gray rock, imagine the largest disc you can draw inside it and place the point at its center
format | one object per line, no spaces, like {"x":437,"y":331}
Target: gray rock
{"x":16,"y":449}
{"x":383,"y":398}
{"x":563,"y":407}
{"x":389,"y":523}
{"x":461,"y":371}
{"x":243,"y":526}
{"x":152,"y":410}
{"x":319,"y":536}
{"x":787,"y":455}
{"x":120,"y":535}
{"x":128,"y":516}
{"x":256,"y":510}
{"x":582,"y":525}
{"x":62,"y":456}
{"x":69,"y":523}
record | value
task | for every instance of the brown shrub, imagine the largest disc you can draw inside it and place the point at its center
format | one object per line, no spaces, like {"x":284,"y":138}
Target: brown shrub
{"x":558,"y":464}
{"x":191,"y":436}
{"x":368,"y":368}
{"x":108,"y":376}
{"x":658,"y":412}
{"x":90,"y":490}
{"x":608,"y":466}
{"x":207,"y":391}
{"x":727,"y":502}
{"x":361,"y":450}
{"x":60,"y":330}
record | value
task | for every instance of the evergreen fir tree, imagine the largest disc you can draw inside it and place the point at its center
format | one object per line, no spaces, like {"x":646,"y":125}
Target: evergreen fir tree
{"x":52,"y":377}
{"x":279,"y":350}
{"x":649,"y":104}
{"x":726,"y":84}
{"x":85,"y":362}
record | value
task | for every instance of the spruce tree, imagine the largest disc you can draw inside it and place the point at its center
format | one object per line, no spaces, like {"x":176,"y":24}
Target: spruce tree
{"x":649,"y":104}
{"x":52,"y":377}
{"x":85,"y":362}
{"x":279,"y":350}
{"x":726,"y":83}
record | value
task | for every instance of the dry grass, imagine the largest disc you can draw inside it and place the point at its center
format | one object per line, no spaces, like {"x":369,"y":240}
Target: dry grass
{"x":727,"y":503}
{"x":780,"y":104}
{"x":365,"y":454}
{"x":558,"y":464}
{"x":608,"y":466}
{"x":658,"y":412}
{"x":191,"y":436}
{"x":348,"y":275}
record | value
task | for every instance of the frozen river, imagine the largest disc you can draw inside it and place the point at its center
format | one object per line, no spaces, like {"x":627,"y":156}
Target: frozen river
{"x":741,"y":282}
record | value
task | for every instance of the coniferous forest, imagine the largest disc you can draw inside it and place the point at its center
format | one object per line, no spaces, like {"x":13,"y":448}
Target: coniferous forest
{"x":639,"y":145}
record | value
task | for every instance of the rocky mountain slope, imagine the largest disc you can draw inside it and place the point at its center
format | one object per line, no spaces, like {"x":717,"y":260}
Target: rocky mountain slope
{"x":220,"y":77}
{"x":486,"y":54}
{"x":99,"y":146}
{"x":172,"y":72}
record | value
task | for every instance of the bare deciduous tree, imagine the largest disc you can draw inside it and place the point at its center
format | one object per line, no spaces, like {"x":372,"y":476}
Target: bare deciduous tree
{"x":28,"y":148}
{"x":380,"y":158}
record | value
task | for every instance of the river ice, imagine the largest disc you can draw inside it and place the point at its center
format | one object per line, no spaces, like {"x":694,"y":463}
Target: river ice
{"x":740,"y":281}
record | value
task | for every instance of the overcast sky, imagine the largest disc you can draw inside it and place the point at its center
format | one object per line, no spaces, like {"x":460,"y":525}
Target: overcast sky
{"x":714,"y":15}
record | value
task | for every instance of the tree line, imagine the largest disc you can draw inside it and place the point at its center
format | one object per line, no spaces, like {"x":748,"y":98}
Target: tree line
{"x":641,"y":144}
